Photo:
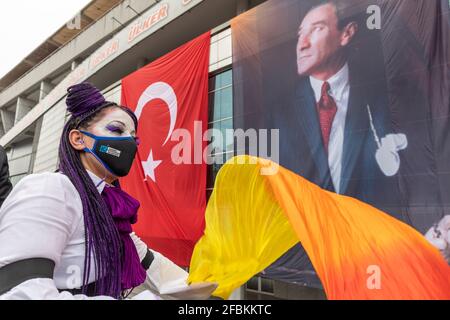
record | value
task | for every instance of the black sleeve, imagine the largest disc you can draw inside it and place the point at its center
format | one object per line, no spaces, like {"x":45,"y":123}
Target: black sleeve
{"x":5,"y":183}
{"x":148,"y":259}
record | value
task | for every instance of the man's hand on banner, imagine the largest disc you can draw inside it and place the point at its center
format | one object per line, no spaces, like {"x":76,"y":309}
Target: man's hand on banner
{"x":387,"y":154}
{"x":439,"y":236}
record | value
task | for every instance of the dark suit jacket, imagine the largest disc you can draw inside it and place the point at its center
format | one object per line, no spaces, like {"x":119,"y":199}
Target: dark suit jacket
{"x":5,"y":184}
{"x":302,"y":151}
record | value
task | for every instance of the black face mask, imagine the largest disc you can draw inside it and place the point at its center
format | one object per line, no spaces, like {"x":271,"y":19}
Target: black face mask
{"x":116,"y":154}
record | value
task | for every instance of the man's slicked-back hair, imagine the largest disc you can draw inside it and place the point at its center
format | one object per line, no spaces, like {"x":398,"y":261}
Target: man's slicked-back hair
{"x":345,"y":11}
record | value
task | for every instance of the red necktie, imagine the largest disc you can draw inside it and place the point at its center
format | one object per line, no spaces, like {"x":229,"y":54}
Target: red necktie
{"x":327,"y":110}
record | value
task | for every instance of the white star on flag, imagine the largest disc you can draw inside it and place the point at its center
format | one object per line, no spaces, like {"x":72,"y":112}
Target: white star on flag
{"x":149,"y":167}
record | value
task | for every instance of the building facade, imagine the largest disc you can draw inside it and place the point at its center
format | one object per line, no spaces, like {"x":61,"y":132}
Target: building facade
{"x":123,"y":37}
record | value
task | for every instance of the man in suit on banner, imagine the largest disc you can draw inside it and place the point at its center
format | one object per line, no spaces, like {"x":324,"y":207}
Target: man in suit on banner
{"x":335,"y":131}
{"x":343,"y":138}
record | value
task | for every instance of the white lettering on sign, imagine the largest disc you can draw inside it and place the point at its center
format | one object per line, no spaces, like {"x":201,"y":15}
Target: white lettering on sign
{"x":144,"y":24}
{"x":104,"y":54}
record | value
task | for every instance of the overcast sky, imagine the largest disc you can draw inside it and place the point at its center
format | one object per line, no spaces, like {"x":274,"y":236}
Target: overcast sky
{"x":25,"y":24}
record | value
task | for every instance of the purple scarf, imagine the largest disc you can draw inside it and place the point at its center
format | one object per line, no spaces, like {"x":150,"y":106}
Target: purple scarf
{"x":123,"y":209}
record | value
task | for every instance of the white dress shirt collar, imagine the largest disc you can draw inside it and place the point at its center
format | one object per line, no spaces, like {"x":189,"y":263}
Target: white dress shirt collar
{"x":338,"y":83}
{"x":340,"y":91}
{"x":98,"y":182}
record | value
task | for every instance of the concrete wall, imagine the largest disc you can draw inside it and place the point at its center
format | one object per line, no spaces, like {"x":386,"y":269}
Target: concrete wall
{"x":82,"y":45}
{"x":50,"y":134}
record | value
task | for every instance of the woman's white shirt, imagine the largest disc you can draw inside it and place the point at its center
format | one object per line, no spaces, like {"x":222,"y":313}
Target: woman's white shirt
{"x":43,"y":218}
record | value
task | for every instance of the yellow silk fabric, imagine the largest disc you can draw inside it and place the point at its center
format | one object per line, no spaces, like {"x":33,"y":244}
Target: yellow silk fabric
{"x":254,"y":216}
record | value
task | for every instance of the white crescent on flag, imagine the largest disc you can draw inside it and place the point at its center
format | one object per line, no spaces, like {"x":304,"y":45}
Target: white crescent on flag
{"x":163,"y":91}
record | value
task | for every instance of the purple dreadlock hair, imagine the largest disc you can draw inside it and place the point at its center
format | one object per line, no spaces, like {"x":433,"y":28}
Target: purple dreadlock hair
{"x":87,"y":105}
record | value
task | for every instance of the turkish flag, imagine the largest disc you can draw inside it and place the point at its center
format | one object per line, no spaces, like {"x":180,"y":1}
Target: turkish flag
{"x":170,"y":98}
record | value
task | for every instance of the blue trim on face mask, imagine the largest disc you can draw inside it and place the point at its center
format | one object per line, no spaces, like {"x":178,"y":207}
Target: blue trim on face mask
{"x":100,"y":138}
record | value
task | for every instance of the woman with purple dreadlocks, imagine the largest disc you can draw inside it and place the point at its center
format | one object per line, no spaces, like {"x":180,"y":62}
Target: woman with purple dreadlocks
{"x":67,"y":235}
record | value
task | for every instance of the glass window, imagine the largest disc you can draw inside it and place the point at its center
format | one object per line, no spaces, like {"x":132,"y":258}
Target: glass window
{"x":220,"y":96}
{"x":226,"y":102}
{"x":227,"y":78}
{"x":220,"y":118}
